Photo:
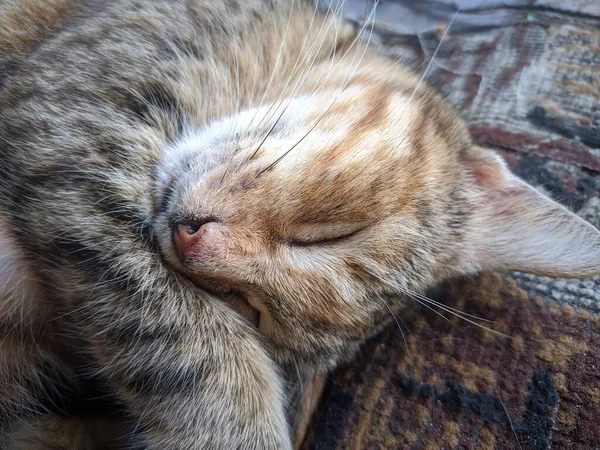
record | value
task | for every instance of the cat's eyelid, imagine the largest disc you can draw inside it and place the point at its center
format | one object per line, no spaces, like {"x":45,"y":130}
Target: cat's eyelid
{"x":321,"y":234}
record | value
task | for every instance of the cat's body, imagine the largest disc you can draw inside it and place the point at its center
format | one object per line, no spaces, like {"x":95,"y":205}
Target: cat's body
{"x":254,"y":149}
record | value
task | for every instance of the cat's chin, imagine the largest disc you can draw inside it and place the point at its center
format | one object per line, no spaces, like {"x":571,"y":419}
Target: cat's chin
{"x":240,"y":303}
{"x":245,"y":303}
{"x":251,"y":311}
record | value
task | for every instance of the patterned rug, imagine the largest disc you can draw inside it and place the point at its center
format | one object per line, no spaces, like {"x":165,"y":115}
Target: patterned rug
{"x":527,"y":79}
{"x":450,"y":384}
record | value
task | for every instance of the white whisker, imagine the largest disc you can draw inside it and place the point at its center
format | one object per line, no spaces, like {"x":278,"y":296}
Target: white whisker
{"x":449,"y":307}
{"x":348,"y":77}
{"x":397,"y":323}
{"x":302,"y":79}
{"x":312,"y":52}
{"x":281,"y":47}
{"x":424,"y":300}
{"x":509,"y":419}
{"x":293,"y":70}
{"x":435,"y":52}
{"x":402,"y":140}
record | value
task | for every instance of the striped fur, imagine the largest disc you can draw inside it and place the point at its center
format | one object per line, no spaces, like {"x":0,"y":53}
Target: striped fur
{"x":336,"y":184}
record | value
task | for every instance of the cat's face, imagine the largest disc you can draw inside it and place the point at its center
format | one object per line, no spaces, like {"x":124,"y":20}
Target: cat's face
{"x":321,"y":213}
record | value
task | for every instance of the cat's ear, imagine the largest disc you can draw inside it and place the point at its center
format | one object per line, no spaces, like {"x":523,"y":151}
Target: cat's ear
{"x":515,"y":227}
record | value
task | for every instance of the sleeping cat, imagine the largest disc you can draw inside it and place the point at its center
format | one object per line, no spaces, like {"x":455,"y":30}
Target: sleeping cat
{"x":201,"y":196}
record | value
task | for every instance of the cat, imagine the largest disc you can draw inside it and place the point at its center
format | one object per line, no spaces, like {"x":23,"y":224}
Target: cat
{"x":199,"y":197}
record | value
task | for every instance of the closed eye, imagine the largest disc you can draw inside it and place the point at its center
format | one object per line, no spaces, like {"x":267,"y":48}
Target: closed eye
{"x":332,"y":235}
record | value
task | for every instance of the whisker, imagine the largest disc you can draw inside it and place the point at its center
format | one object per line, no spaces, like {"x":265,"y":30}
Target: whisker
{"x":435,"y":52}
{"x":234,"y":123}
{"x":397,"y":323}
{"x":369,"y":23}
{"x":237,"y":77}
{"x":509,"y":419}
{"x":289,"y":98}
{"x":266,"y":117}
{"x":423,"y":300}
{"x":320,"y":118}
{"x":450,"y":308}
{"x":301,"y":80}
{"x":277,"y":61}
{"x":429,"y":307}
{"x":426,"y":72}
{"x":267,"y":135}
{"x":253,"y":89}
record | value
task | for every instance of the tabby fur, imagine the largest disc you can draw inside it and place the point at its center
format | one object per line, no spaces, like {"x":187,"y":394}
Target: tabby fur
{"x":329,"y":185}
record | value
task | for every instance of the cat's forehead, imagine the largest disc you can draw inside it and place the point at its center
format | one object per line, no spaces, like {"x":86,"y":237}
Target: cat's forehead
{"x":324,"y":113}
{"x":355,"y":130}
{"x":317,"y":157}
{"x":207,"y":149}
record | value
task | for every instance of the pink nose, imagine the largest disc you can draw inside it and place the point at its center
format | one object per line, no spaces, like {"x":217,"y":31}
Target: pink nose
{"x":203,"y":240}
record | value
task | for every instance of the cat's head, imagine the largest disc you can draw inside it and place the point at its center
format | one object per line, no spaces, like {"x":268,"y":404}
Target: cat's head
{"x":322,"y":211}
